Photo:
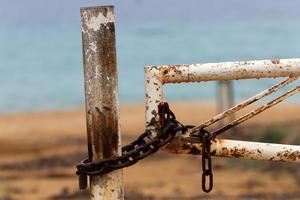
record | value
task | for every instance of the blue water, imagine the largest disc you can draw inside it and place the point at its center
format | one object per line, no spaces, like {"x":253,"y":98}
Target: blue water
{"x":41,"y":65}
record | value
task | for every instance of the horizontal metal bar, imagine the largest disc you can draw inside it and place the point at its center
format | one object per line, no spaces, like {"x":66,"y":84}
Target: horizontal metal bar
{"x":156,"y":76}
{"x":237,"y":149}
{"x":227,"y":70}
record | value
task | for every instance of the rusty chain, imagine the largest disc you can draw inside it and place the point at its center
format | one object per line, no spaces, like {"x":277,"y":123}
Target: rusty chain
{"x":207,"y":175}
{"x":166,"y":129}
{"x":142,"y":147}
{"x":146,"y":145}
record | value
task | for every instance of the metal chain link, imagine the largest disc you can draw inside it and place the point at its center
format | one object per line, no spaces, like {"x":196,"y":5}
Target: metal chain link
{"x":146,"y":144}
{"x":143,"y":146}
{"x":207,"y":174}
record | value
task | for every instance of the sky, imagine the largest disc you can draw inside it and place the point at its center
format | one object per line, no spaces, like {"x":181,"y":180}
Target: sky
{"x":16,"y":12}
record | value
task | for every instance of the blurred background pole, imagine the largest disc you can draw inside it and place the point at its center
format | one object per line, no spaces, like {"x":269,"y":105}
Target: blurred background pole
{"x":101,"y":97}
{"x":225,"y":98}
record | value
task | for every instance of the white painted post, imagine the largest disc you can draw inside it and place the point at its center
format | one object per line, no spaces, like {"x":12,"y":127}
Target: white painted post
{"x":225,"y":99}
{"x":225,"y":95}
{"x":101,"y":94}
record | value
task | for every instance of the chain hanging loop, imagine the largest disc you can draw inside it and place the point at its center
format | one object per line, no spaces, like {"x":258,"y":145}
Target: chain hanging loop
{"x":207,"y":175}
{"x":142,"y":147}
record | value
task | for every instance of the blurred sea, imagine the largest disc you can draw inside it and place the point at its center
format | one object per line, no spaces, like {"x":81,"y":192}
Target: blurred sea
{"x":41,"y":65}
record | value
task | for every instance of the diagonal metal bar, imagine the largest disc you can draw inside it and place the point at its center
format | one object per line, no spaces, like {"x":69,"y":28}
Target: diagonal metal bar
{"x":257,"y":111}
{"x":245,"y":103}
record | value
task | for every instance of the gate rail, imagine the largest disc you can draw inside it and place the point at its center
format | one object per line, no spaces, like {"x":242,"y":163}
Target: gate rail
{"x":157,"y":76}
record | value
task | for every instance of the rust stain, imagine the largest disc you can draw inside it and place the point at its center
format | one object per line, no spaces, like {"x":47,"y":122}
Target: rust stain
{"x":225,"y":151}
{"x":258,"y":151}
{"x":170,"y":71}
{"x":239,"y":152}
{"x":100,"y":74}
{"x":294,"y":155}
{"x":106,"y":132}
{"x":165,"y":72}
{"x":194,"y":150}
{"x":288,"y":155}
{"x":182,"y":145}
{"x":177,"y":146}
{"x":275,"y":61}
{"x":95,"y":136}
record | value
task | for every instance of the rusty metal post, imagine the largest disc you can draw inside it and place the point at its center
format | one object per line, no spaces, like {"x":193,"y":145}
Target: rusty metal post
{"x":101,"y":96}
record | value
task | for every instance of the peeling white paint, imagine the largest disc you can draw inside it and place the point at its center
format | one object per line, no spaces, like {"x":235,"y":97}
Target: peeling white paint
{"x":89,"y":56}
{"x":89,"y":88}
{"x":154,"y":92}
{"x":95,"y":23}
{"x":94,"y":26}
{"x":97,"y":73}
{"x":93,"y":46}
{"x":100,"y":186}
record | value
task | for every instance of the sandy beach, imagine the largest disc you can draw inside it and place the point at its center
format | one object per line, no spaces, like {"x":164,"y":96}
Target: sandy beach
{"x":38,"y":152}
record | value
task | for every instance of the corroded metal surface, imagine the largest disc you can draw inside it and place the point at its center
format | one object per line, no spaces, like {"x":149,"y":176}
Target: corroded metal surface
{"x":156,"y":76}
{"x":237,"y":149}
{"x":228,"y":70}
{"x":101,"y":93}
{"x":154,"y":93}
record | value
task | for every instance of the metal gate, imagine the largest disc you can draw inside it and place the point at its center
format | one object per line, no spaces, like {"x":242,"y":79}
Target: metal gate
{"x":157,"y":76}
{"x":102,"y":110}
